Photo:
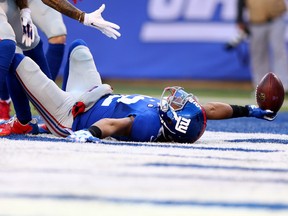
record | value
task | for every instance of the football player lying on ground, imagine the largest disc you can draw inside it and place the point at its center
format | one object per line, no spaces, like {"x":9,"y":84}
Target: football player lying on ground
{"x":87,"y":111}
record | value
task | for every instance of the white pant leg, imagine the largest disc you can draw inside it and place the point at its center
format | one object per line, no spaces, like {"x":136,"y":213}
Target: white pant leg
{"x":83,"y":74}
{"x":84,"y":80}
{"x":13,"y":18}
{"x":279,"y":50}
{"x":259,"y":50}
{"x":47,"y":19}
{"x":53,"y":104}
{"x":6,"y":30}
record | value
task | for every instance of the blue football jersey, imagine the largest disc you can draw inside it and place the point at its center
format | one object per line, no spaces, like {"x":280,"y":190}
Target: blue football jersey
{"x":146,"y":123}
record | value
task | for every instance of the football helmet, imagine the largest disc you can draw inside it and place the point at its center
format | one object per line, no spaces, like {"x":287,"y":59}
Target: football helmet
{"x":183,"y":119}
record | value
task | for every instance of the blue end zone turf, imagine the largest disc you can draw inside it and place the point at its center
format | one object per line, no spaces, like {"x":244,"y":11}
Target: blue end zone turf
{"x":238,"y":125}
{"x":251,"y":125}
{"x":239,"y":165}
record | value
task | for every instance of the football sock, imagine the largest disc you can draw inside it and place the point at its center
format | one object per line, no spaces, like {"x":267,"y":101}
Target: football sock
{"x":54,"y":56}
{"x":239,"y":111}
{"x":17,"y":93}
{"x":37,"y":54}
{"x":5,"y":93}
{"x":7,"y":51}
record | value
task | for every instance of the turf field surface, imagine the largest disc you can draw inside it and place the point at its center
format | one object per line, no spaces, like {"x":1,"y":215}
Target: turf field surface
{"x":238,"y":167}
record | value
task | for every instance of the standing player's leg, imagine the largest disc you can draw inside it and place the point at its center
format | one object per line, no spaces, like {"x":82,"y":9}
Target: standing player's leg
{"x":279,"y":50}
{"x":35,"y":51}
{"x":37,"y":54}
{"x":51,"y":23}
{"x":7,"y":50}
{"x":259,"y":49}
{"x":22,"y":108}
{"x":55,"y":54}
{"x":5,"y":102}
{"x":23,"y":123}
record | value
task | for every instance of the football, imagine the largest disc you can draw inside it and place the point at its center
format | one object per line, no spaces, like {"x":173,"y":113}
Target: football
{"x":270,"y":93}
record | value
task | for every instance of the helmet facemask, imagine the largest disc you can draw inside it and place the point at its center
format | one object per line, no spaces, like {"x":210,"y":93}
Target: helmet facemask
{"x":175,"y":97}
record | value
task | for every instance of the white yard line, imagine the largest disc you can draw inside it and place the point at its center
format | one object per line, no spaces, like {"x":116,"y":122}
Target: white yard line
{"x":221,"y":174}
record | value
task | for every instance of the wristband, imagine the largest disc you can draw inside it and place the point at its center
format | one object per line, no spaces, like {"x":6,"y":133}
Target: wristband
{"x":239,"y":111}
{"x":95,"y":131}
{"x":81,"y":17}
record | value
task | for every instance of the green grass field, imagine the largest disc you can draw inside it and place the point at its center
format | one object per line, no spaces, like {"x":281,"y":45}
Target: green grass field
{"x":199,"y":88}
{"x":241,"y":93}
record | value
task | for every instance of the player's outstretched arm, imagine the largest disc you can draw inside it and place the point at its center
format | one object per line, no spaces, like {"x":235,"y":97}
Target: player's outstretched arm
{"x":218,"y":110}
{"x":93,"y":19}
{"x":66,"y":8}
{"x":111,"y":126}
{"x":103,"y":128}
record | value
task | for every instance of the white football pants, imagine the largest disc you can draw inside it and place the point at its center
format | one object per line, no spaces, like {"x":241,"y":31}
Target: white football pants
{"x":53,"y":104}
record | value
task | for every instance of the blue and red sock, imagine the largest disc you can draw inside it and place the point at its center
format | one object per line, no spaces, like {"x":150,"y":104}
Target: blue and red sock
{"x":54,"y":56}
{"x":7,"y":51}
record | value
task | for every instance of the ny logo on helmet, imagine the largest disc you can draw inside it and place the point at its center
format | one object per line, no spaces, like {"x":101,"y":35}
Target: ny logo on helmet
{"x":182,"y":124}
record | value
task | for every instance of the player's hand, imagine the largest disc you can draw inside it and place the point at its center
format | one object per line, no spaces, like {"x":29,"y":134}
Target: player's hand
{"x":27,"y":27}
{"x":83,"y":136}
{"x":96,"y":20}
{"x":257,"y":112}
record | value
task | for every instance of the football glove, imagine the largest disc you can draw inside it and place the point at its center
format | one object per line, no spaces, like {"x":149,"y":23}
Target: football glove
{"x":82,"y":136}
{"x":257,"y":112}
{"x":27,"y":27}
{"x":96,"y":20}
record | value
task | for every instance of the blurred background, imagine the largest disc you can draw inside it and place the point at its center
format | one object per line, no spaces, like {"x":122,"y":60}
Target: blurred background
{"x":169,"y":42}
{"x":165,"y":39}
